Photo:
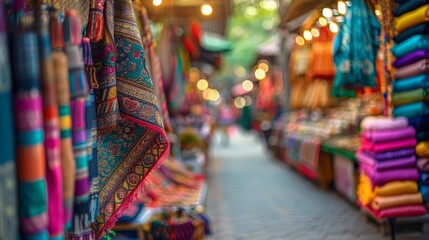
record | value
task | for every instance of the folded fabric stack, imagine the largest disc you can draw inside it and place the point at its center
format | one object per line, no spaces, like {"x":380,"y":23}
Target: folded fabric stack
{"x":410,"y":89}
{"x":388,"y":173}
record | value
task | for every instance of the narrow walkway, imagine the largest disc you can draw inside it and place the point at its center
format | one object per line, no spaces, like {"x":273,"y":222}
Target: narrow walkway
{"x":252,"y":196}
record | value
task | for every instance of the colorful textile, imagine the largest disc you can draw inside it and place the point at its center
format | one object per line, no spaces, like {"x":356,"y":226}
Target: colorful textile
{"x":401,"y":153}
{"x":387,"y":146}
{"x":422,"y":28}
{"x":79,"y":92}
{"x":67,"y":157}
{"x":424,"y":190}
{"x":386,"y":165}
{"x":401,"y":211}
{"x":380,"y":203}
{"x":410,"y":45}
{"x":52,"y":141}
{"x":416,"y":95}
{"x":356,"y":47}
{"x":411,"y":110}
{"x":396,"y":188}
{"x":414,"y":69}
{"x":422,"y":149}
{"x":409,"y":6}
{"x":380,"y":178}
{"x":131,"y":139}
{"x":91,"y":133}
{"x":424,"y":178}
{"x":94,"y":30}
{"x":423,"y":164}
{"x":411,"y":58}
{"x":8,"y":206}
{"x":383,"y":123}
{"x":389,"y":135}
{"x":149,"y":44}
{"x":30,"y":155}
{"x":412,"y":18}
{"x":407,"y":84}
{"x":420,"y":123}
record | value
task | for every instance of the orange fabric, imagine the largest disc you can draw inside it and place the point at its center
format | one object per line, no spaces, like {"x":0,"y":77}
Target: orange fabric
{"x":26,"y":156}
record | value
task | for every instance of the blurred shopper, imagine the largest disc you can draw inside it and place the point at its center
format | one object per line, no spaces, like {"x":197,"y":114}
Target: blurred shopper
{"x":226,"y":119}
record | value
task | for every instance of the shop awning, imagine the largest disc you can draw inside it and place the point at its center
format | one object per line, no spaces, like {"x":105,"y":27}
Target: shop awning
{"x":213,"y":42}
{"x":298,"y":8}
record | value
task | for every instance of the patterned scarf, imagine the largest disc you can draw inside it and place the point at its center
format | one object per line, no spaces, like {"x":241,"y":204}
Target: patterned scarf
{"x":30,"y":153}
{"x":52,"y":141}
{"x":131,"y":139}
{"x":8,"y":213}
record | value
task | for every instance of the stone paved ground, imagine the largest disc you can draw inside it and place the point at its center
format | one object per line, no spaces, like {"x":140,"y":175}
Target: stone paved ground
{"x":252,"y":196}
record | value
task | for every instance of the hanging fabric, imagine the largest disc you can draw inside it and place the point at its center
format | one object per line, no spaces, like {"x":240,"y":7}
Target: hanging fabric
{"x":355,"y":49}
{"x":62,"y":84}
{"x":30,"y":153}
{"x":8,"y":206}
{"x":320,"y":62}
{"x":131,"y":139}
{"x":52,"y":139}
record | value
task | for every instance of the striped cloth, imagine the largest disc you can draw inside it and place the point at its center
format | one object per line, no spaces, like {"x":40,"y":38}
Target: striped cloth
{"x":30,"y":153}
{"x":81,"y":225}
{"x":52,"y":141}
{"x":8,"y":206}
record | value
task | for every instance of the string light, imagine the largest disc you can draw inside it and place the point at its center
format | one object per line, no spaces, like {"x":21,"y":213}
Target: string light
{"x":157,"y":2}
{"x":333,"y":27}
{"x":327,"y":12}
{"x":315,"y":32}
{"x":264,"y":66}
{"x":300,"y":40}
{"x":202,"y":84}
{"x":322,"y":21}
{"x":240,"y":102}
{"x":247,"y":85}
{"x":342,"y":7}
{"x":259,"y":74}
{"x":206,"y":9}
{"x":307,"y":35}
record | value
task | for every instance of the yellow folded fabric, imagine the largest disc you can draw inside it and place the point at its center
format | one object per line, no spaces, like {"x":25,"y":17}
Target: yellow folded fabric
{"x":412,"y":18}
{"x":422,"y":149}
{"x":379,"y":203}
{"x":396,"y":188}
{"x":364,"y":190}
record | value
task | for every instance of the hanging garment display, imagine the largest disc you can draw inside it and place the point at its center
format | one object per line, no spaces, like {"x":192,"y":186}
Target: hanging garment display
{"x":131,"y":139}
{"x":52,"y":139}
{"x":355,"y":49}
{"x":30,"y":153}
{"x":321,"y":63}
{"x":8,"y":206}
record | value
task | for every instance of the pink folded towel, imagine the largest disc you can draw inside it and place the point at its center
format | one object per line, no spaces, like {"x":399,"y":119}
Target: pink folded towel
{"x":387,"y":146}
{"x":383,"y":123}
{"x":400,"y":163}
{"x":377,"y":136}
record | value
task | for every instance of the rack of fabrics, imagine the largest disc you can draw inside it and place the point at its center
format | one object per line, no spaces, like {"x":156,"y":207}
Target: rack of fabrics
{"x":89,"y":127}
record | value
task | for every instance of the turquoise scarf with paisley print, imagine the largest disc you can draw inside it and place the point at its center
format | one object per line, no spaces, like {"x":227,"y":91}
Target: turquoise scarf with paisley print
{"x":131,"y":137}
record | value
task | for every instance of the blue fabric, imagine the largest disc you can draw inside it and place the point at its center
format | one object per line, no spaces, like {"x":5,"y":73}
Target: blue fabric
{"x":411,"y":83}
{"x":410,"y":45}
{"x":411,"y":110}
{"x":422,"y":136}
{"x":424,"y":190}
{"x":356,"y":47}
{"x":420,"y":123}
{"x":408,"y":6}
{"x":422,"y":28}
{"x":8,"y":206}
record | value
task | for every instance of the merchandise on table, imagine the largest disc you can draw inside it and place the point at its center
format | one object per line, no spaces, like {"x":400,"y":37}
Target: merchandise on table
{"x":388,"y":184}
